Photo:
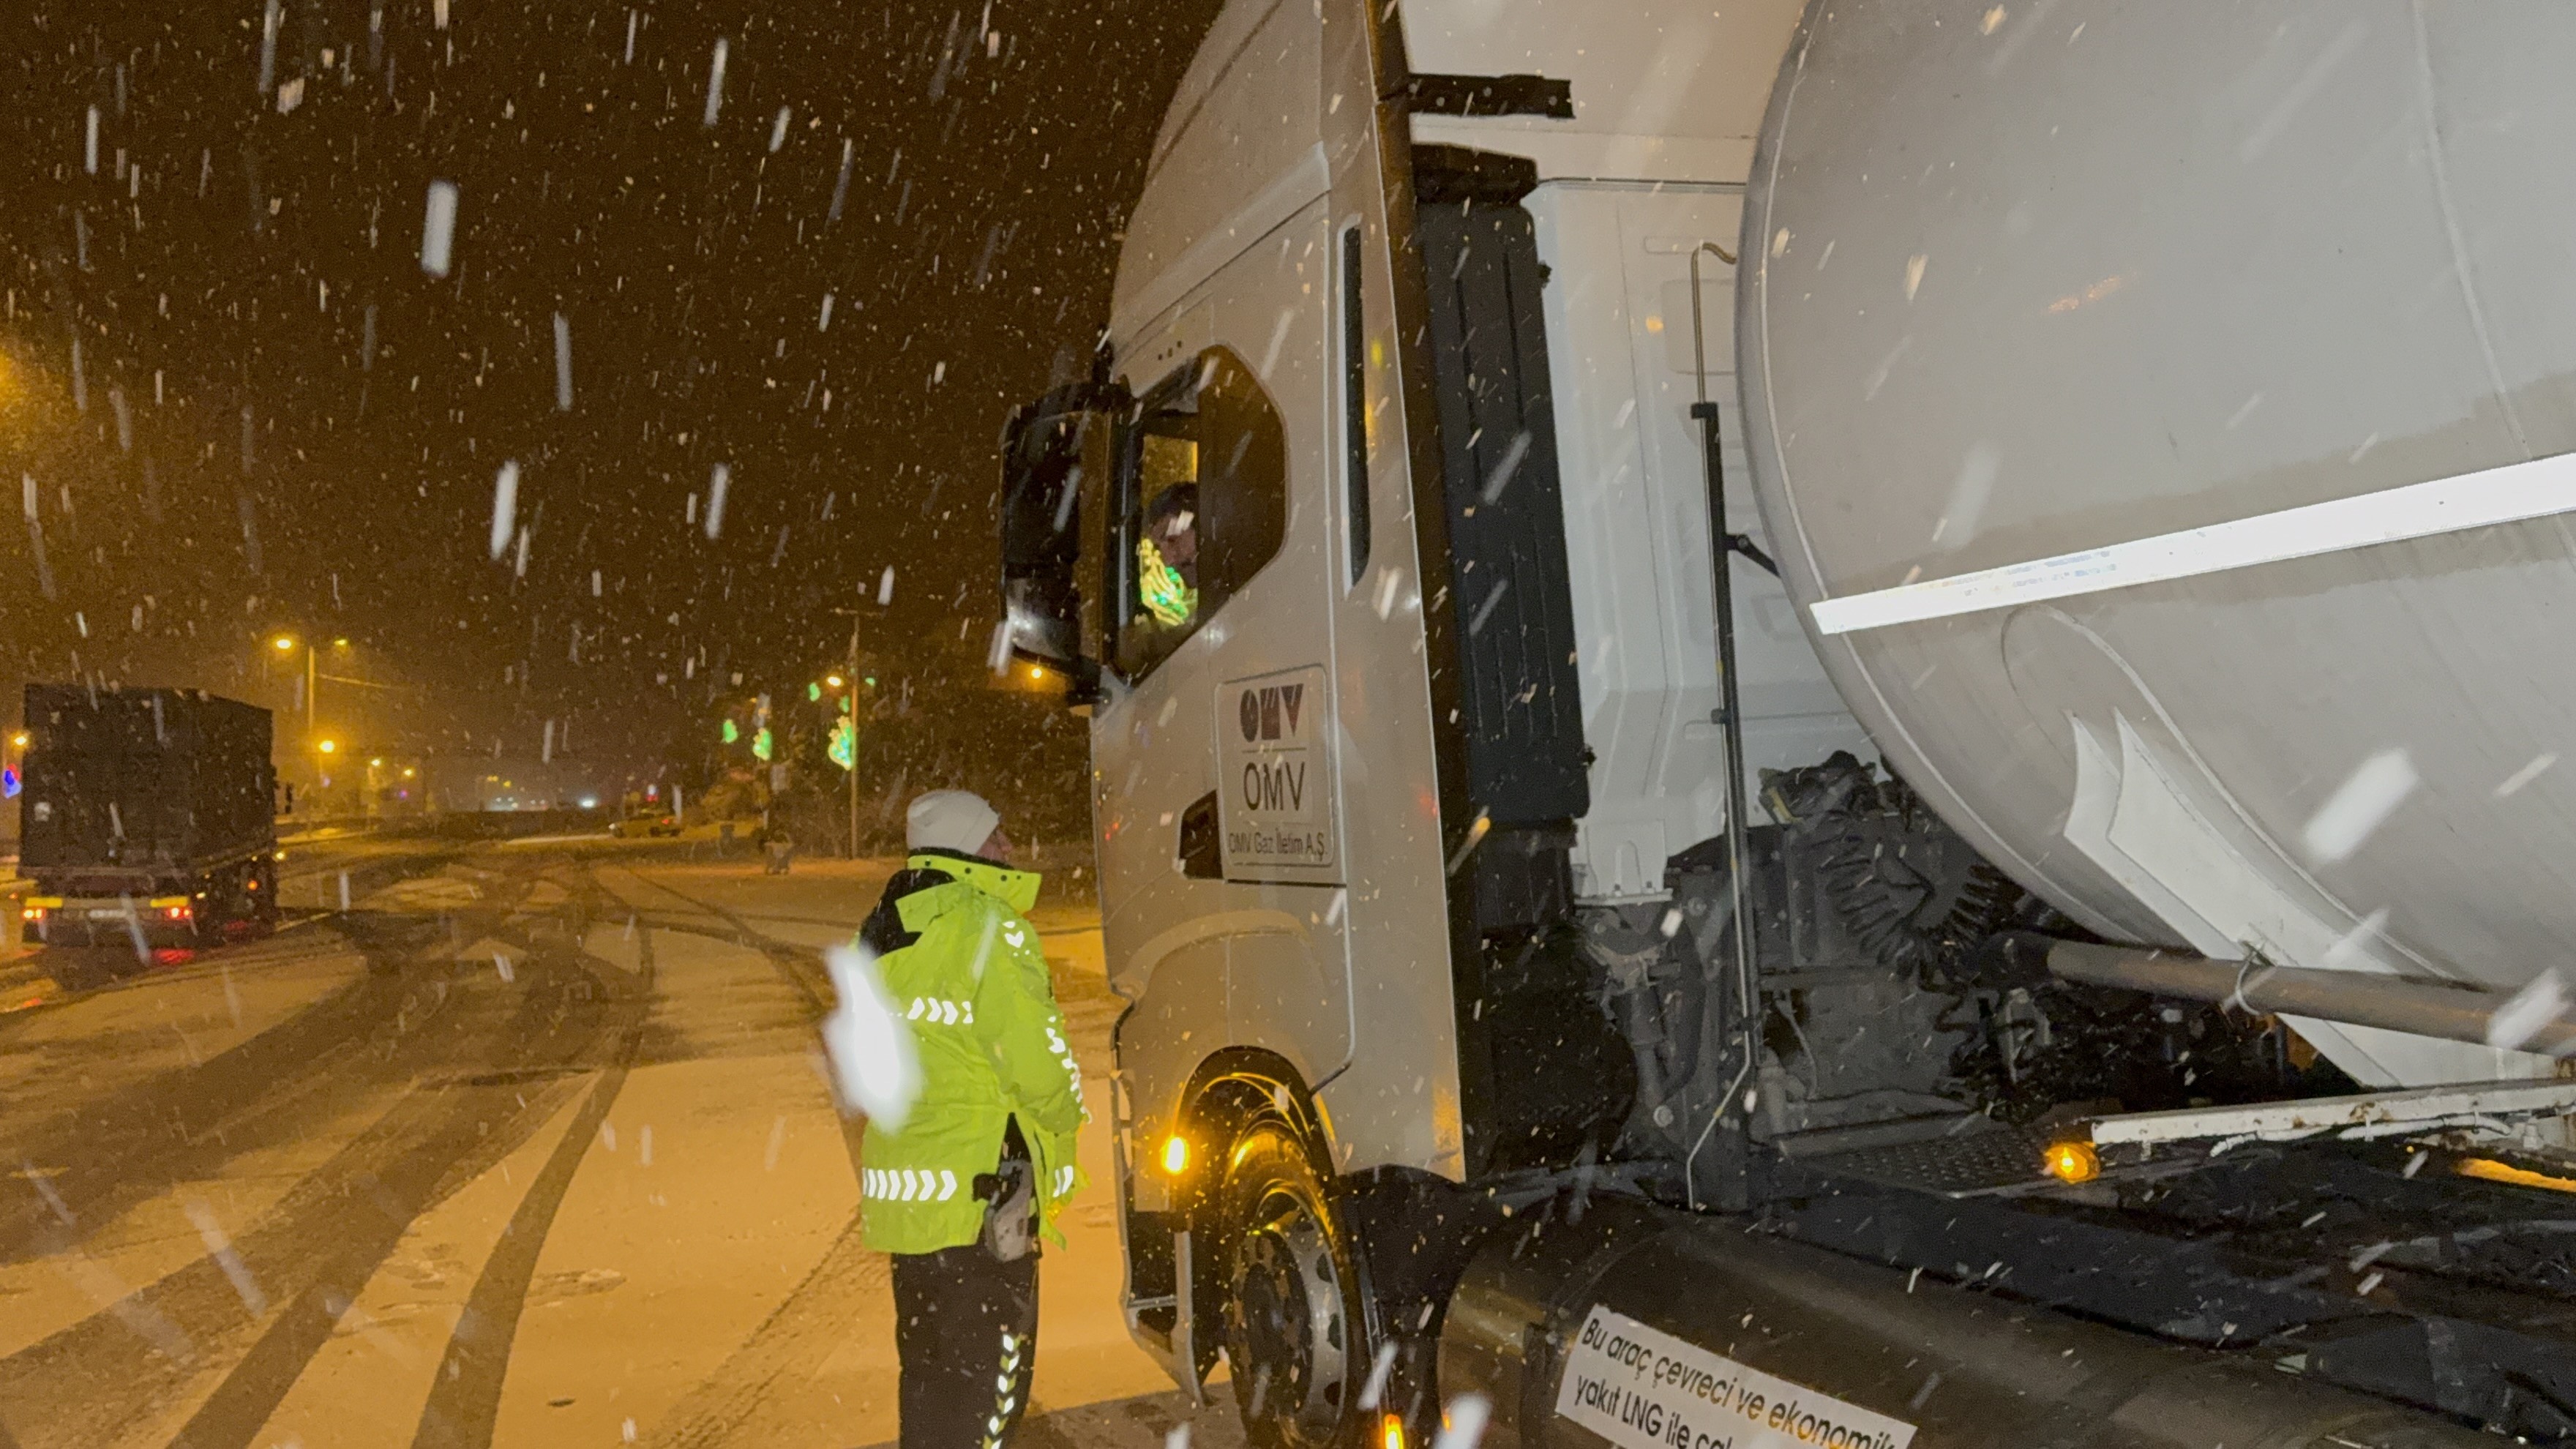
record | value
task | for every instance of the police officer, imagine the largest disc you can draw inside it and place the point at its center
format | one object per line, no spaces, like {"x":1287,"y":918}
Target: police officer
{"x":986,"y":1157}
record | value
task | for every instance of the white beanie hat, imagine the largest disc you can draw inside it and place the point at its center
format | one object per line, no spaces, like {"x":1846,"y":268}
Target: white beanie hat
{"x":957,"y":820}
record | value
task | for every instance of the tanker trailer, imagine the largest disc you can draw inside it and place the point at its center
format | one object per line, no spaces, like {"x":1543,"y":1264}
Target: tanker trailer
{"x":1568,"y":963}
{"x":2164,"y":428}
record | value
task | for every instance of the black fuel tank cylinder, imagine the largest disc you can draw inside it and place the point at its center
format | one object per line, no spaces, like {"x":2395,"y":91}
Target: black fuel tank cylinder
{"x":1645,"y":1328}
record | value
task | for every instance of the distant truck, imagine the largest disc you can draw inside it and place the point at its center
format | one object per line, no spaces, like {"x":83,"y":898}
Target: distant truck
{"x":147,"y":817}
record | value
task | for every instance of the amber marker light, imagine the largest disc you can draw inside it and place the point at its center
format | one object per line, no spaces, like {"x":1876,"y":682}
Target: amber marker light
{"x":1176,"y":1155}
{"x":2487,"y":1169}
{"x":2073,"y":1162}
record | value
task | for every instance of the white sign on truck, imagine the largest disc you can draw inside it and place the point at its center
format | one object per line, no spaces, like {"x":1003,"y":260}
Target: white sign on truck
{"x":1275,"y":780}
{"x":1642,"y":1388}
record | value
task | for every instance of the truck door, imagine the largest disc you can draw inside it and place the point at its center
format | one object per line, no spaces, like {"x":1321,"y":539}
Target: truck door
{"x":1224,"y":744}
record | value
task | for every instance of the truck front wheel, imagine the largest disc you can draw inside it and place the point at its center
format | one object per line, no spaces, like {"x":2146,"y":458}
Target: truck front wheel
{"x":1296,"y":1337}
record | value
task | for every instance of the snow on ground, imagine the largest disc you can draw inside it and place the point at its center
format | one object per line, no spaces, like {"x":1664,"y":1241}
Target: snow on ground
{"x":666,"y":1229}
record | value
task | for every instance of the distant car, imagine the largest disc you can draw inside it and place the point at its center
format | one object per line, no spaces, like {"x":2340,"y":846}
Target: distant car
{"x":646,"y":824}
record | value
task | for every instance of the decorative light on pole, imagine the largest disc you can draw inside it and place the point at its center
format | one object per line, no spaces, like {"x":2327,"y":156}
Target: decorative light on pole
{"x":845,"y":735}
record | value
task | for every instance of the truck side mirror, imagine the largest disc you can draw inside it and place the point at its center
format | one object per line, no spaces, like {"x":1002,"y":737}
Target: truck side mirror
{"x":1056,"y":467}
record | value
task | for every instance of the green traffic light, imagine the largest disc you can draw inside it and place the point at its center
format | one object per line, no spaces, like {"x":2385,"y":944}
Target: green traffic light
{"x":813,"y":692}
{"x":732,"y":732}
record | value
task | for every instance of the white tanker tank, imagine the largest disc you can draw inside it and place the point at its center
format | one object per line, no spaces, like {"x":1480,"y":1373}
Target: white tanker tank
{"x":2163,"y":420}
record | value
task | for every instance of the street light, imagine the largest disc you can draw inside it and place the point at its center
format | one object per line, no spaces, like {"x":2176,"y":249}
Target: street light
{"x":287,"y":644}
{"x":327,"y":746}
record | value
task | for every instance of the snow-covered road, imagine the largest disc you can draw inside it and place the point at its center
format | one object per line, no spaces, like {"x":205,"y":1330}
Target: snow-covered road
{"x":531,"y":1146}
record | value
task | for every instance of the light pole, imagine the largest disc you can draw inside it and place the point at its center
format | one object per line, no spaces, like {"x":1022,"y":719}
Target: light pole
{"x":851,"y":696}
{"x":285,"y":644}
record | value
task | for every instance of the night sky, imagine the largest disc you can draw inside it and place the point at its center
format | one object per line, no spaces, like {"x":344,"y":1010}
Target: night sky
{"x":217,"y":455}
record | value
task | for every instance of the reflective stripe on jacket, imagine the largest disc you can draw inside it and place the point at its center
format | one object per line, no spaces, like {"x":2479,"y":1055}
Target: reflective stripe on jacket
{"x":963,"y":967}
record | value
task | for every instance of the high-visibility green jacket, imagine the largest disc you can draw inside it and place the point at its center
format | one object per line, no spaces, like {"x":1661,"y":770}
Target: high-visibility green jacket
{"x":962,"y":966}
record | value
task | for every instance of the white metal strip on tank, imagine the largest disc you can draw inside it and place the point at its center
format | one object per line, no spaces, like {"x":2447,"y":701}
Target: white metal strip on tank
{"x":2509,"y":494}
{"x":2373,"y":1114}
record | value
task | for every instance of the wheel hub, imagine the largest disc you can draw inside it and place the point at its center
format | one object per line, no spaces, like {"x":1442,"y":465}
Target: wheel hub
{"x":1291,"y":1324}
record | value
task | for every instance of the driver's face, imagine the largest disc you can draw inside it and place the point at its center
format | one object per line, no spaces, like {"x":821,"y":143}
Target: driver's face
{"x":1178,"y":540}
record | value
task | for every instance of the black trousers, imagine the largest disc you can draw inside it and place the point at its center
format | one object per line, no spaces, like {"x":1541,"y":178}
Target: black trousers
{"x":966,"y":1331}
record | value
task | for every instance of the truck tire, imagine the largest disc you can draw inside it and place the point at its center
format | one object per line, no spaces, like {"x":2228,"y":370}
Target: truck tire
{"x":215,"y":894}
{"x":1295,"y":1328}
{"x":85,"y":968}
{"x":206,"y":932}
{"x":264,"y":908}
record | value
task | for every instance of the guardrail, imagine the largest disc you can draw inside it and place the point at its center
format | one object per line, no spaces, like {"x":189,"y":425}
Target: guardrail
{"x":449,"y":825}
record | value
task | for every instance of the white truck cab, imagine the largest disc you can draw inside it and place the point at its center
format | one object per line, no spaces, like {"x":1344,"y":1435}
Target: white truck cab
{"x":1397,"y":573}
